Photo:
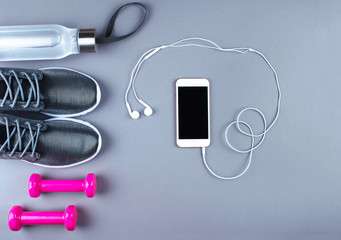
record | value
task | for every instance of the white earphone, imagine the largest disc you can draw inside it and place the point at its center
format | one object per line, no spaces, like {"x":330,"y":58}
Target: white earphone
{"x":205,"y":43}
{"x":148,"y":110}
{"x":135,"y":114}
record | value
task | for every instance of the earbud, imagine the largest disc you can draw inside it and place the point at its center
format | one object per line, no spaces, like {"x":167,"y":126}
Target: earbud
{"x":134,"y":114}
{"x":148,"y":111}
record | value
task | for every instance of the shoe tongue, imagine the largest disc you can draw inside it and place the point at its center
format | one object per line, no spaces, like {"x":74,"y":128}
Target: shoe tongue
{"x":9,"y":72}
{"x":25,"y":84}
{"x":23,"y":122}
{"x":14,"y":139}
{"x":24,"y":131}
{"x":17,"y":155}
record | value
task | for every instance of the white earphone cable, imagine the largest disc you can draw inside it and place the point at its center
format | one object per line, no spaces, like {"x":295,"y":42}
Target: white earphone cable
{"x":188,"y":42}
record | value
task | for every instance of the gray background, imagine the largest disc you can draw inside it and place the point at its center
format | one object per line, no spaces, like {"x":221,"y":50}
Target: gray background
{"x":151,"y":189}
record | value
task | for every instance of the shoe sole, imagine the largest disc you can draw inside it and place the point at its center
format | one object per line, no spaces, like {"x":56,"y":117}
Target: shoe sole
{"x":85,"y":160}
{"x":98,"y":96}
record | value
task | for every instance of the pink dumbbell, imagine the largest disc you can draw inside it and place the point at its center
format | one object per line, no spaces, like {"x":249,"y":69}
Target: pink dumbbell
{"x":17,"y":217}
{"x":36,"y":185}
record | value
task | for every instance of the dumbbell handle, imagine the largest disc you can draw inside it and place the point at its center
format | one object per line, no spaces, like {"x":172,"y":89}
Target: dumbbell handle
{"x":35,"y":218}
{"x":62,"y":185}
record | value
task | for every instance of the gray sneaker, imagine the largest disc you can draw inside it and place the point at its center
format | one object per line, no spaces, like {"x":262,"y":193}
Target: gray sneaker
{"x":57,"y":92}
{"x":57,"y":143}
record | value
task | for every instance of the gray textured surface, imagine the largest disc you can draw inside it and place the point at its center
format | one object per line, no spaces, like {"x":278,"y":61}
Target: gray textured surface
{"x":151,"y":189}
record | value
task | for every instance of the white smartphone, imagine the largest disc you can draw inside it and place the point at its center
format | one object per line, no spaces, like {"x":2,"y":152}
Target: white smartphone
{"x":192,"y":112}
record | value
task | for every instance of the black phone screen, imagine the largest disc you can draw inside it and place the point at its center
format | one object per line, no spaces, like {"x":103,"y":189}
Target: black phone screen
{"x":193,"y":112}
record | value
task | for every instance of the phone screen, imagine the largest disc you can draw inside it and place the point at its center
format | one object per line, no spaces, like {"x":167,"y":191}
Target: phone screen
{"x":193,"y":112}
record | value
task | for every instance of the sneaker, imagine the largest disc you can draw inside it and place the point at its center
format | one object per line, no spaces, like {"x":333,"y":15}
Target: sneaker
{"x":57,"y":92}
{"x":56,"y":143}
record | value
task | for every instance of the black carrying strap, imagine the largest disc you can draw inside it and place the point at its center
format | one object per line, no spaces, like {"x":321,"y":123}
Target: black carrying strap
{"x":108,"y":38}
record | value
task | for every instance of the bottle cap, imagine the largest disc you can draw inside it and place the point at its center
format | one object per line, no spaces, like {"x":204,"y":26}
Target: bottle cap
{"x":86,"y":40}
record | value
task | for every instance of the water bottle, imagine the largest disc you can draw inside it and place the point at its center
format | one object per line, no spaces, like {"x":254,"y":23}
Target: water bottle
{"x":43,"y":42}
{"x":38,"y":42}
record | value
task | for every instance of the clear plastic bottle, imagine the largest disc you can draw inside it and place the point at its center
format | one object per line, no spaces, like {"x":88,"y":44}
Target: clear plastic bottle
{"x":42,"y":42}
